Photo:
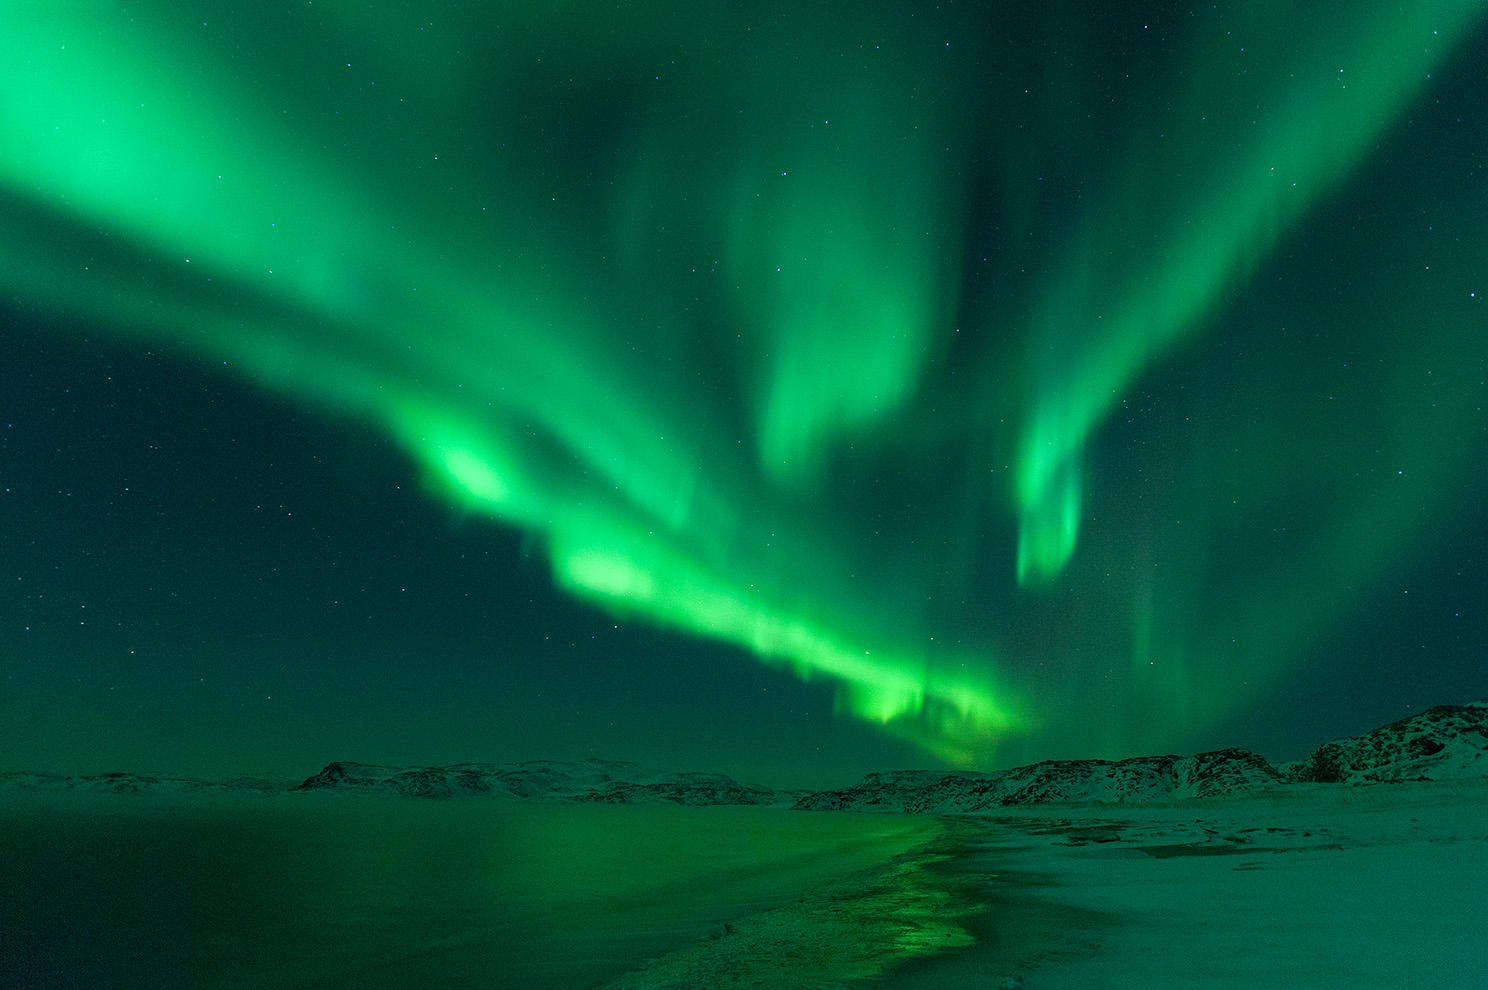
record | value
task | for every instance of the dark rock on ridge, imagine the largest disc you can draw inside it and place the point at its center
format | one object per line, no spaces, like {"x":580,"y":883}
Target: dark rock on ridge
{"x":590,"y":781}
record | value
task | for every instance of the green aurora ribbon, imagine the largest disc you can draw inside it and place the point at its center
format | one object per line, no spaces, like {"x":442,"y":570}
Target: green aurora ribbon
{"x":691,"y":295}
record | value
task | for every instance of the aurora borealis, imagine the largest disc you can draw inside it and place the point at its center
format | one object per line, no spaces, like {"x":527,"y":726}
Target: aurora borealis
{"x":1051,"y":384}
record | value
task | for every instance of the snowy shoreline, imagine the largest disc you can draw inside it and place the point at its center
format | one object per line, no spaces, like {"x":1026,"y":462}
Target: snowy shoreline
{"x":1317,"y":887}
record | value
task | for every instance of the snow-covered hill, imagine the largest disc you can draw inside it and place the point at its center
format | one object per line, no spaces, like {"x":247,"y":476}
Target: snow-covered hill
{"x":592,"y":781}
{"x":1443,"y":743}
{"x":1145,"y":778}
{"x":1448,"y":742}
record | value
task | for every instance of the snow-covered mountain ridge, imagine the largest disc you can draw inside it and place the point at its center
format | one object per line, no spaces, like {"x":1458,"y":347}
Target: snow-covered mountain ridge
{"x":134,"y":783}
{"x":1143,"y":778}
{"x":1444,"y":743}
{"x":600,"y":781}
{"x":593,"y":781}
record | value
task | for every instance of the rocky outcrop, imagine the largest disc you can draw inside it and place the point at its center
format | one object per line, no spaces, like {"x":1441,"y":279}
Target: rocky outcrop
{"x":1447,"y":742}
{"x":1146,"y":778}
{"x":589,"y":781}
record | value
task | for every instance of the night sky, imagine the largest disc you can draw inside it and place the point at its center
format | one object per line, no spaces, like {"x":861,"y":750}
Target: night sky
{"x":791,"y":391}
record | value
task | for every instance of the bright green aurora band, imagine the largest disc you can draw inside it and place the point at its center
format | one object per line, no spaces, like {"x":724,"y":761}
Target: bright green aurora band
{"x":795,"y":327}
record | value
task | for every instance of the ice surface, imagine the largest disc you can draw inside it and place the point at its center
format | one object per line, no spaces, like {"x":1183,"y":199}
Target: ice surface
{"x":344,"y":892}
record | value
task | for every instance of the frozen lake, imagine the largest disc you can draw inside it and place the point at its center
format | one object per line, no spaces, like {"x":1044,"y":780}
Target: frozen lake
{"x":327,"y":891}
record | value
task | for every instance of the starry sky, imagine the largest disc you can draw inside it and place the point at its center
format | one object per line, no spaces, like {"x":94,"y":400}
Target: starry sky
{"x":793,"y":390}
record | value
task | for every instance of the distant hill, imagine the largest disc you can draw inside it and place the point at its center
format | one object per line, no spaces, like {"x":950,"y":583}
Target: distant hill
{"x":594,"y":781}
{"x":135,"y":783}
{"x":591,"y":781}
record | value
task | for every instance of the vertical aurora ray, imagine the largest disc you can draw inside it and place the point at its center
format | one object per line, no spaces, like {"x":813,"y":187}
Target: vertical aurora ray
{"x":1273,"y":112}
{"x":681,"y":294}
